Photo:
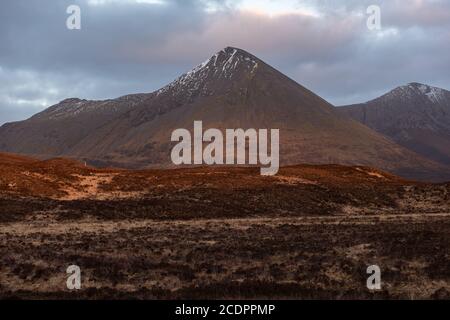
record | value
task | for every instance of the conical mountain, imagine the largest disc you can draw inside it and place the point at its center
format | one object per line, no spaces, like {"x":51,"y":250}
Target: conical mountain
{"x":233,"y":89}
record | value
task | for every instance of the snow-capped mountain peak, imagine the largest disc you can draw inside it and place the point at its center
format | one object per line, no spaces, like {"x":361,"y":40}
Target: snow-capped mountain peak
{"x":434,"y":94}
{"x":224,"y":65}
{"x":413,"y":90}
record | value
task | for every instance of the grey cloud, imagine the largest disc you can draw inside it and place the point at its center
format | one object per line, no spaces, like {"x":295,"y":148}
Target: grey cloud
{"x":126,"y":48}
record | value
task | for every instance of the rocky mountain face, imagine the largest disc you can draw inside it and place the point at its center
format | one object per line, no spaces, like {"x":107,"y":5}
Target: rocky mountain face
{"x":416,"y":116}
{"x":232,"y":89}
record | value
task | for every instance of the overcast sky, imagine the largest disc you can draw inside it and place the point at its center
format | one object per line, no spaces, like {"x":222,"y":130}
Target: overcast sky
{"x":130,"y":46}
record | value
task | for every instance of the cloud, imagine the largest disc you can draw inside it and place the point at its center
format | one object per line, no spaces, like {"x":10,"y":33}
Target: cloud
{"x":128,"y":46}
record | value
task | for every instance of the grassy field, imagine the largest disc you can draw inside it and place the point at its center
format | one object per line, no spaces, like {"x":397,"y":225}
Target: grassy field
{"x":309,"y":232}
{"x":294,"y":258}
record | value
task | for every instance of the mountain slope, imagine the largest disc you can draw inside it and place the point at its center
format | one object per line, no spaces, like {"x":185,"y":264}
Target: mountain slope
{"x":233,"y":89}
{"x":416,"y":116}
{"x":56,"y":130}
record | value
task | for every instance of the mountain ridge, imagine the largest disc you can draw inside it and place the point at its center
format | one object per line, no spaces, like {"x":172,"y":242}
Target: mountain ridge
{"x":232,"y":89}
{"x":416,"y":116}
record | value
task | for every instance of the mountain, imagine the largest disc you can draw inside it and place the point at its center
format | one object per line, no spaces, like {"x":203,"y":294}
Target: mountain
{"x":232,"y":89}
{"x":416,"y":116}
{"x":58,"y":129}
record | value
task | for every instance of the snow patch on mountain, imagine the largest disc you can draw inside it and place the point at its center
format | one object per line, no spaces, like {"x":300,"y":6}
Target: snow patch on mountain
{"x":414,"y":90}
{"x":73,"y":107}
{"x":223,"y":65}
{"x":435,"y":94}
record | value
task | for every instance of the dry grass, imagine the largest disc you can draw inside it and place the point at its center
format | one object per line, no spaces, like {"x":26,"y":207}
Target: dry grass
{"x":249,"y":258}
{"x":227,"y":233}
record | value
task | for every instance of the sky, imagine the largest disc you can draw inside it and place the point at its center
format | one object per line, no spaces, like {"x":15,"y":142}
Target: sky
{"x":135,"y":46}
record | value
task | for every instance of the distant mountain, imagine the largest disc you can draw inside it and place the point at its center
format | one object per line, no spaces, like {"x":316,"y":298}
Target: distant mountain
{"x":58,"y":129}
{"x":416,"y":116}
{"x":232,"y":89}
